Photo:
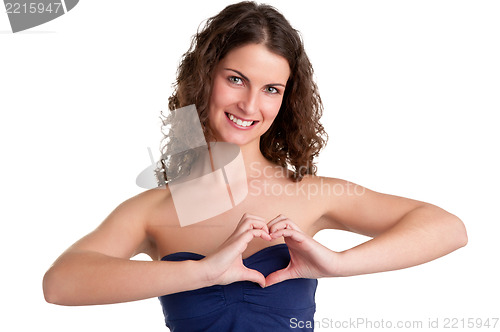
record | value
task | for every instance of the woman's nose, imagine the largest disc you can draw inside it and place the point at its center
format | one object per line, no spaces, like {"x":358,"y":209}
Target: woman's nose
{"x":249,"y":103}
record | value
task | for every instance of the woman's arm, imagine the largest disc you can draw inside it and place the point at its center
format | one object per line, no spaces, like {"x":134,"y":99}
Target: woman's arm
{"x":97,"y":269}
{"x":405,"y":232}
{"x":84,"y":277}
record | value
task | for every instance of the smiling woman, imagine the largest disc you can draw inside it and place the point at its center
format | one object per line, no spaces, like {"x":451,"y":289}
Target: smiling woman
{"x":254,"y":267}
{"x":296,"y":135}
{"x":247,"y":92}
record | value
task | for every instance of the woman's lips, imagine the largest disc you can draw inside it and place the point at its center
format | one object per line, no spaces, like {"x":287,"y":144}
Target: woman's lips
{"x":239,"y":122}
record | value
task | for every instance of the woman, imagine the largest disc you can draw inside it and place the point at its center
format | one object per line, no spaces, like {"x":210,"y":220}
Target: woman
{"x":253,"y":267}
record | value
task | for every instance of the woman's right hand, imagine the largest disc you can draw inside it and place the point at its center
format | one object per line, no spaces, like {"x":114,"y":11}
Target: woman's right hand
{"x":225,"y":266}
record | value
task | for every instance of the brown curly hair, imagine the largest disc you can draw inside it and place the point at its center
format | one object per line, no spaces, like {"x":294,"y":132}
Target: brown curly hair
{"x":296,"y":135}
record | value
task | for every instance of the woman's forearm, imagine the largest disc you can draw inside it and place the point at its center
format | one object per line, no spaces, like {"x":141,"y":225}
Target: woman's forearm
{"x":422,"y":235}
{"x":85,"y":278}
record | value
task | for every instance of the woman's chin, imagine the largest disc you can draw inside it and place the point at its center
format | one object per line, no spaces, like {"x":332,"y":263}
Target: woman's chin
{"x":240,"y":141}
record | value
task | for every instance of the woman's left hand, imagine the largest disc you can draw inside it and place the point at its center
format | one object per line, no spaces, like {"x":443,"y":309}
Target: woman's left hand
{"x":308,"y":258}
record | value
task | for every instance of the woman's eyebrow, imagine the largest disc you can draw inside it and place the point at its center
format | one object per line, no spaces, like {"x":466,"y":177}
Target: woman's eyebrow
{"x":239,"y":73}
{"x":248,"y":80}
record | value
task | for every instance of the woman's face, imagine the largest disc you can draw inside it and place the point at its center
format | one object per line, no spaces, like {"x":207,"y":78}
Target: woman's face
{"x":247,"y":92}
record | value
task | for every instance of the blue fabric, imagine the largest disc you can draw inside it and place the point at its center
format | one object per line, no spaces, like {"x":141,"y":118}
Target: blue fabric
{"x":243,"y":305}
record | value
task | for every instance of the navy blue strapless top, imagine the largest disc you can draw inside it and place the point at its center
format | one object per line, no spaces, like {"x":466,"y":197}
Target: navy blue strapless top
{"x":243,"y":305}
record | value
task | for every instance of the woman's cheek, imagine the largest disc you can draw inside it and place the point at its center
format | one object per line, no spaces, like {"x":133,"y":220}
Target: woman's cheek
{"x":273,"y":107}
{"x":222,"y":94}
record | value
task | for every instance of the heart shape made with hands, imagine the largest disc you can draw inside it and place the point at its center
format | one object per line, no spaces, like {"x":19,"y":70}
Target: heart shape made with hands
{"x":308,"y":258}
{"x":281,"y":226}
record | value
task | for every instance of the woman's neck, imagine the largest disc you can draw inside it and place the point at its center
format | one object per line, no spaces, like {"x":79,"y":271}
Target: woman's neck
{"x":254,"y":160}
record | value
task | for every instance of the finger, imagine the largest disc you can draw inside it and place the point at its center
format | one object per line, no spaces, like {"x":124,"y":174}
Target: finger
{"x":250,"y":234}
{"x":276,"y":219}
{"x":278,"y":276}
{"x":254,"y":276}
{"x":289,"y":233}
{"x":283,"y":224}
{"x":251,"y":222}
{"x":238,"y":243}
{"x":282,"y":221}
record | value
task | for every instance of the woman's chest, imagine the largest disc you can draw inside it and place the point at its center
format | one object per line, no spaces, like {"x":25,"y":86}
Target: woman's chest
{"x":207,"y":235}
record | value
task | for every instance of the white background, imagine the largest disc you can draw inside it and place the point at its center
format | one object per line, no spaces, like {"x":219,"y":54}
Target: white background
{"x":410,"y":91}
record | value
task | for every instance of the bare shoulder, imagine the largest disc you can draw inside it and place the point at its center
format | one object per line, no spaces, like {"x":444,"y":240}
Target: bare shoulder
{"x":323,"y":194}
{"x":353,"y":207}
{"x":159,"y":206}
{"x":145,"y":201}
{"x":324,"y":189}
{"x":327,"y":185}
{"x":142,"y":207}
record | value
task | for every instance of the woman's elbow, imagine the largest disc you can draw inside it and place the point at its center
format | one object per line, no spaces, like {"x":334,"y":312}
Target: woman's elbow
{"x":52,"y":285}
{"x":458,"y":232}
{"x":464,"y":237}
{"x":449,"y":231}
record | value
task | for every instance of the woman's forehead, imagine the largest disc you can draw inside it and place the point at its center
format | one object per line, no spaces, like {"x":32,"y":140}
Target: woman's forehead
{"x":257,"y":63}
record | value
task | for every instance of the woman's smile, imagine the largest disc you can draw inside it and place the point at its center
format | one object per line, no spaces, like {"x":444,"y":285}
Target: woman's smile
{"x":240,"y":123}
{"x":247,"y":92}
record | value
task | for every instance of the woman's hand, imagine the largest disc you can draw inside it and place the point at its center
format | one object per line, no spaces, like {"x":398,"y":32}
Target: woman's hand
{"x":226,"y":265}
{"x":308,"y":258}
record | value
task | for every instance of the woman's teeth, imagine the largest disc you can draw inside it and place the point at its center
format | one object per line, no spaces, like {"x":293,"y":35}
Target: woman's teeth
{"x":239,"y":122}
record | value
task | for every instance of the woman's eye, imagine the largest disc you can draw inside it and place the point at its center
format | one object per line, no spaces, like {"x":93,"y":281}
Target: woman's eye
{"x":235,"y":80}
{"x":272,"y":90}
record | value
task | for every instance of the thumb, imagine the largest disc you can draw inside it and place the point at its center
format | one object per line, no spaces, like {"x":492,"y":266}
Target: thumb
{"x":254,"y":276}
{"x":278,"y":276}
